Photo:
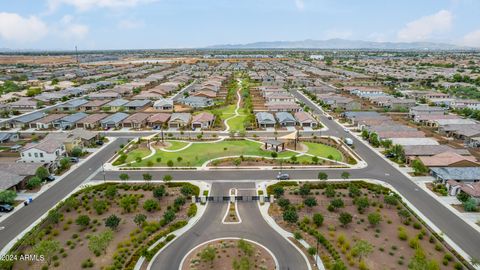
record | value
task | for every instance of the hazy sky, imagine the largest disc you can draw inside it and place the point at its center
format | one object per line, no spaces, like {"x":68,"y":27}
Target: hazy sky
{"x":137,"y":24}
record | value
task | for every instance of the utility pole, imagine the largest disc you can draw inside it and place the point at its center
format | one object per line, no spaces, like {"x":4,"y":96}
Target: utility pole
{"x":76,"y":56}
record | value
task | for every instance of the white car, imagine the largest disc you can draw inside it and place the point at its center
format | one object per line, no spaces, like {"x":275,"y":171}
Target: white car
{"x":346,"y":130}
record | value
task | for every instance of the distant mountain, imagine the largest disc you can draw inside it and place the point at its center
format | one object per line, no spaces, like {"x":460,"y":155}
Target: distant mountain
{"x":341,"y":44}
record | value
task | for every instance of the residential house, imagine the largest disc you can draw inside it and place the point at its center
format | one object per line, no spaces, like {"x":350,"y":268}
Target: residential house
{"x":14,"y":175}
{"x":47,"y":121}
{"x":178,"y":120}
{"x":449,"y":159}
{"x":115,"y":105}
{"x":163,"y":105}
{"x":158,"y":120}
{"x":459,"y":174}
{"x":105,"y":95}
{"x":6,"y":137}
{"x":114,"y":120}
{"x":23,"y":121}
{"x":196,"y":102}
{"x":422,"y":110}
{"x":93,"y":105}
{"x":69,"y":121}
{"x":465,"y":103}
{"x":265,"y":120}
{"x":203,"y":120}
{"x":285,"y":119}
{"x":136,"y":120}
{"x":305,"y":119}
{"x":91,"y":121}
{"x":23,"y":104}
{"x":73,"y":105}
{"x":48,"y":150}
{"x":136,"y":105}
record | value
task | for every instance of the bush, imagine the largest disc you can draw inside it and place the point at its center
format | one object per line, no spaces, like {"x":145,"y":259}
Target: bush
{"x":83,"y":221}
{"x":77,"y":152}
{"x":150,"y":205}
{"x":159,"y":192}
{"x":470,"y":205}
{"x":402,"y":234}
{"x":317,"y":219}
{"x":290,"y":215}
{"x":112,"y":222}
{"x":33,"y":183}
{"x":283,"y":203}
{"x":192,"y":210}
{"x":7,"y":196}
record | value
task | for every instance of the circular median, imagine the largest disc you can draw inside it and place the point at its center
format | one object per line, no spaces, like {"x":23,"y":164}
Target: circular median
{"x":229,"y":253}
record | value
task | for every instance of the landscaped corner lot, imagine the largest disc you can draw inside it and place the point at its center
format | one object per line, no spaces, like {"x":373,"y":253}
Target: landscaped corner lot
{"x":173,"y":153}
{"x":107,"y":226}
{"x":359,"y":225}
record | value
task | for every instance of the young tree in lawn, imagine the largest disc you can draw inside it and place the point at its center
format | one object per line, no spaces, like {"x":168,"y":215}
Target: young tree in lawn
{"x":374,"y":219}
{"x":42,"y":173}
{"x":345,"y":218}
{"x":112,"y":222}
{"x":322,"y":176}
{"x":47,"y":248}
{"x":362,"y":248}
{"x":140,"y":219}
{"x":345,"y":175}
{"x":315,"y":160}
{"x":124,"y":177}
{"x":83,"y":221}
{"x":317,"y":219}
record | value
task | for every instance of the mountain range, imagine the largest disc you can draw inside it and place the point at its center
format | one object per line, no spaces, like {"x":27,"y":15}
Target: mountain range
{"x":341,"y":44}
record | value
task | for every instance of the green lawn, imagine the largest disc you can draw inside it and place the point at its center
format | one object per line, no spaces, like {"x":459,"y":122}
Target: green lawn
{"x":322,"y":150}
{"x":225,"y":112}
{"x":139,"y":152}
{"x":199,"y":153}
{"x":175,"y":145}
{"x":237,"y":123}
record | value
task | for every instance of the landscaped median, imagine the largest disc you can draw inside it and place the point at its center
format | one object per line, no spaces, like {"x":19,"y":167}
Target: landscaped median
{"x":359,"y":225}
{"x":230,"y":153}
{"x":106,"y":226}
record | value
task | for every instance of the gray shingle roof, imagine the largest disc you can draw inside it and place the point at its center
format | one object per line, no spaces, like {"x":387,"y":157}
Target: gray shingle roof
{"x":114,"y":118}
{"x":458,"y":173}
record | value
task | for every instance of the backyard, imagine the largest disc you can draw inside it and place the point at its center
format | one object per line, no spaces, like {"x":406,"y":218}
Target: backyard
{"x":358,"y":225}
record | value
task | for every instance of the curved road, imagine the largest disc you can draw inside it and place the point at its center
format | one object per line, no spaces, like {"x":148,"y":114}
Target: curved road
{"x":210,"y":226}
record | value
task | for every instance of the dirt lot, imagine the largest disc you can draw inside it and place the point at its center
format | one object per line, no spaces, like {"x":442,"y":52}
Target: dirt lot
{"x":386,"y":248}
{"x":74,"y":240}
{"x":225,"y":253}
{"x":35,"y":60}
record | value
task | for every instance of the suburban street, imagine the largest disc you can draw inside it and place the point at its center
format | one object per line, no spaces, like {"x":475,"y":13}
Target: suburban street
{"x":23,"y":218}
{"x":252,"y":227}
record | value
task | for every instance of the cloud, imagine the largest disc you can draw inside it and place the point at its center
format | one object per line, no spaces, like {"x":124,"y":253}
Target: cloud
{"x":69,"y":29}
{"x":84,"y":5}
{"x":472,"y":39}
{"x":300,"y":4}
{"x":338,"y":33}
{"x":128,"y":24}
{"x":16,"y":28}
{"x":423,"y":28}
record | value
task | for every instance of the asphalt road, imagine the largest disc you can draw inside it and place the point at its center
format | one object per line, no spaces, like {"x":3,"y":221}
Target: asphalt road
{"x":252,"y":227}
{"x":20,"y":220}
{"x":458,"y":230}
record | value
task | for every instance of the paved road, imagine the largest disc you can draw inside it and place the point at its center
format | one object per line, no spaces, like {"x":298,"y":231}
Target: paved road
{"x":457,"y":229}
{"x":20,"y":220}
{"x":210,"y":227}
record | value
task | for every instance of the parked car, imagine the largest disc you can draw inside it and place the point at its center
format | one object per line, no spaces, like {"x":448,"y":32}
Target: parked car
{"x":156,"y":127}
{"x":389,"y":155}
{"x":346,"y":130}
{"x":348,"y":141}
{"x":6,"y":208}
{"x":99,"y":142}
{"x":283,"y":176}
{"x":74,"y":159}
{"x":50,"y":178}
{"x":330,"y":118}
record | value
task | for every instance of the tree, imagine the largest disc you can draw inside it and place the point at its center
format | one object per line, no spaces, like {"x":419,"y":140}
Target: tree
{"x":462,"y":196}
{"x":283,"y":203}
{"x":208,"y":254}
{"x":345,"y":218}
{"x":7,"y":196}
{"x":147,"y":176}
{"x":317,"y":219}
{"x":64,"y":163}
{"x":47,"y":248}
{"x":330,"y":191}
{"x":128,"y":203}
{"x":170,"y":163}
{"x":159,"y":192}
{"x":290,"y":215}
{"x":111,"y":192}
{"x":54,"y":216}
{"x":353,"y":190}
{"x":315,"y":159}
{"x":169,"y":216}
{"x":100,"y":206}
{"x":42,"y":173}
{"x":112,"y":222}
{"x":362,"y":248}
{"x":470,"y":205}
{"x":390,"y":200}
{"x":374,"y":218}
{"x":83,"y":221}
{"x":76,"y":152}
{"x":278,"y":191}
{"x":123,"y":176}
{"x":98,"y":244}
{"x":365,"y":134}
{"x":304,"y":190}
{"x":399,"y":153}
{"x":337,"y":203}
{"x":150,"y":205}
{"x":418,"y":167}
{"x":140,"y":219}
{"x":34,"y":183}
{"x":167,"y":178}
{"x":310,"y":202}
{"x":345,"y":175}
{"x":322,"y":176}
{"x":362,"y":203}
{"x":186,"y":190}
